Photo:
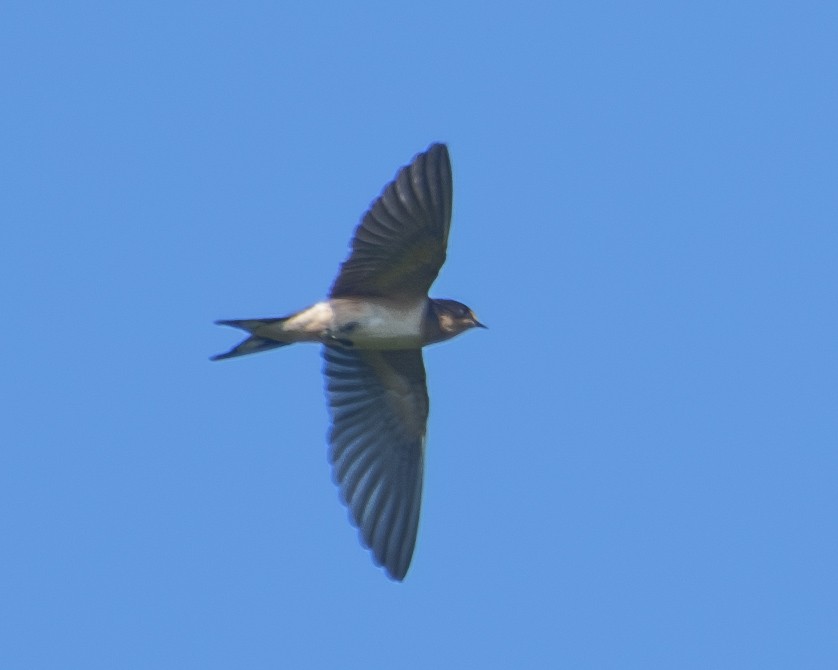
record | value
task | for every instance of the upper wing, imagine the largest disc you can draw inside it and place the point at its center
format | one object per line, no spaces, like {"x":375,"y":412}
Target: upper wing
{"x":399,"y":246}
{"x":379,"y":406}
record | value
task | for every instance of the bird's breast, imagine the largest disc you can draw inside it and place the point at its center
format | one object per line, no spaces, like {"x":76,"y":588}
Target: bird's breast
{"x":375,"y":323}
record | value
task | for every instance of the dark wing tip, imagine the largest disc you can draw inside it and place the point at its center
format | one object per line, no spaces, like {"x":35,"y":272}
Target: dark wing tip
{"x":397,"y":575}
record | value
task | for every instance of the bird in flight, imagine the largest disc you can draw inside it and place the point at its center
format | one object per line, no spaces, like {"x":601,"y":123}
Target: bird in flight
{"x":373,"y":325}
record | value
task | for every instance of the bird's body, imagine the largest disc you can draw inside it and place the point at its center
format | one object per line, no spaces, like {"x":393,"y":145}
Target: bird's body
{"x":359,"y":323}
{"x":373,"y":326}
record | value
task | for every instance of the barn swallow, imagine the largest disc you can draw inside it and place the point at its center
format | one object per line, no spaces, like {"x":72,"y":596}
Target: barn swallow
{"x":373,"y":325}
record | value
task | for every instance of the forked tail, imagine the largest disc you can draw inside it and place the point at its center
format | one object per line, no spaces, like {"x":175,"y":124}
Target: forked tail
{"x":255,"y":343}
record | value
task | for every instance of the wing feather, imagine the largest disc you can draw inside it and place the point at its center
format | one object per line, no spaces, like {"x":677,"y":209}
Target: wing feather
{"x":399,"y":246}
{"x":379,"y":406}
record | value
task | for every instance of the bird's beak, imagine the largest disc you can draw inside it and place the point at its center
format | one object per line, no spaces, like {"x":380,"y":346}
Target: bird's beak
{"x":477,"y":324}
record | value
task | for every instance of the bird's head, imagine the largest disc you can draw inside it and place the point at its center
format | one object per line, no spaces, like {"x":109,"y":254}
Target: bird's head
{"x":454,"y":317}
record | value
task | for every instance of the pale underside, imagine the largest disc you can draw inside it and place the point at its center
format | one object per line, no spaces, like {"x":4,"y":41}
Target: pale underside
{"x":358,"y":323}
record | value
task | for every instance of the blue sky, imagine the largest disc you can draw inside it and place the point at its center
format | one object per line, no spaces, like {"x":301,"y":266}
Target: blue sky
{"x":635,"y":467}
